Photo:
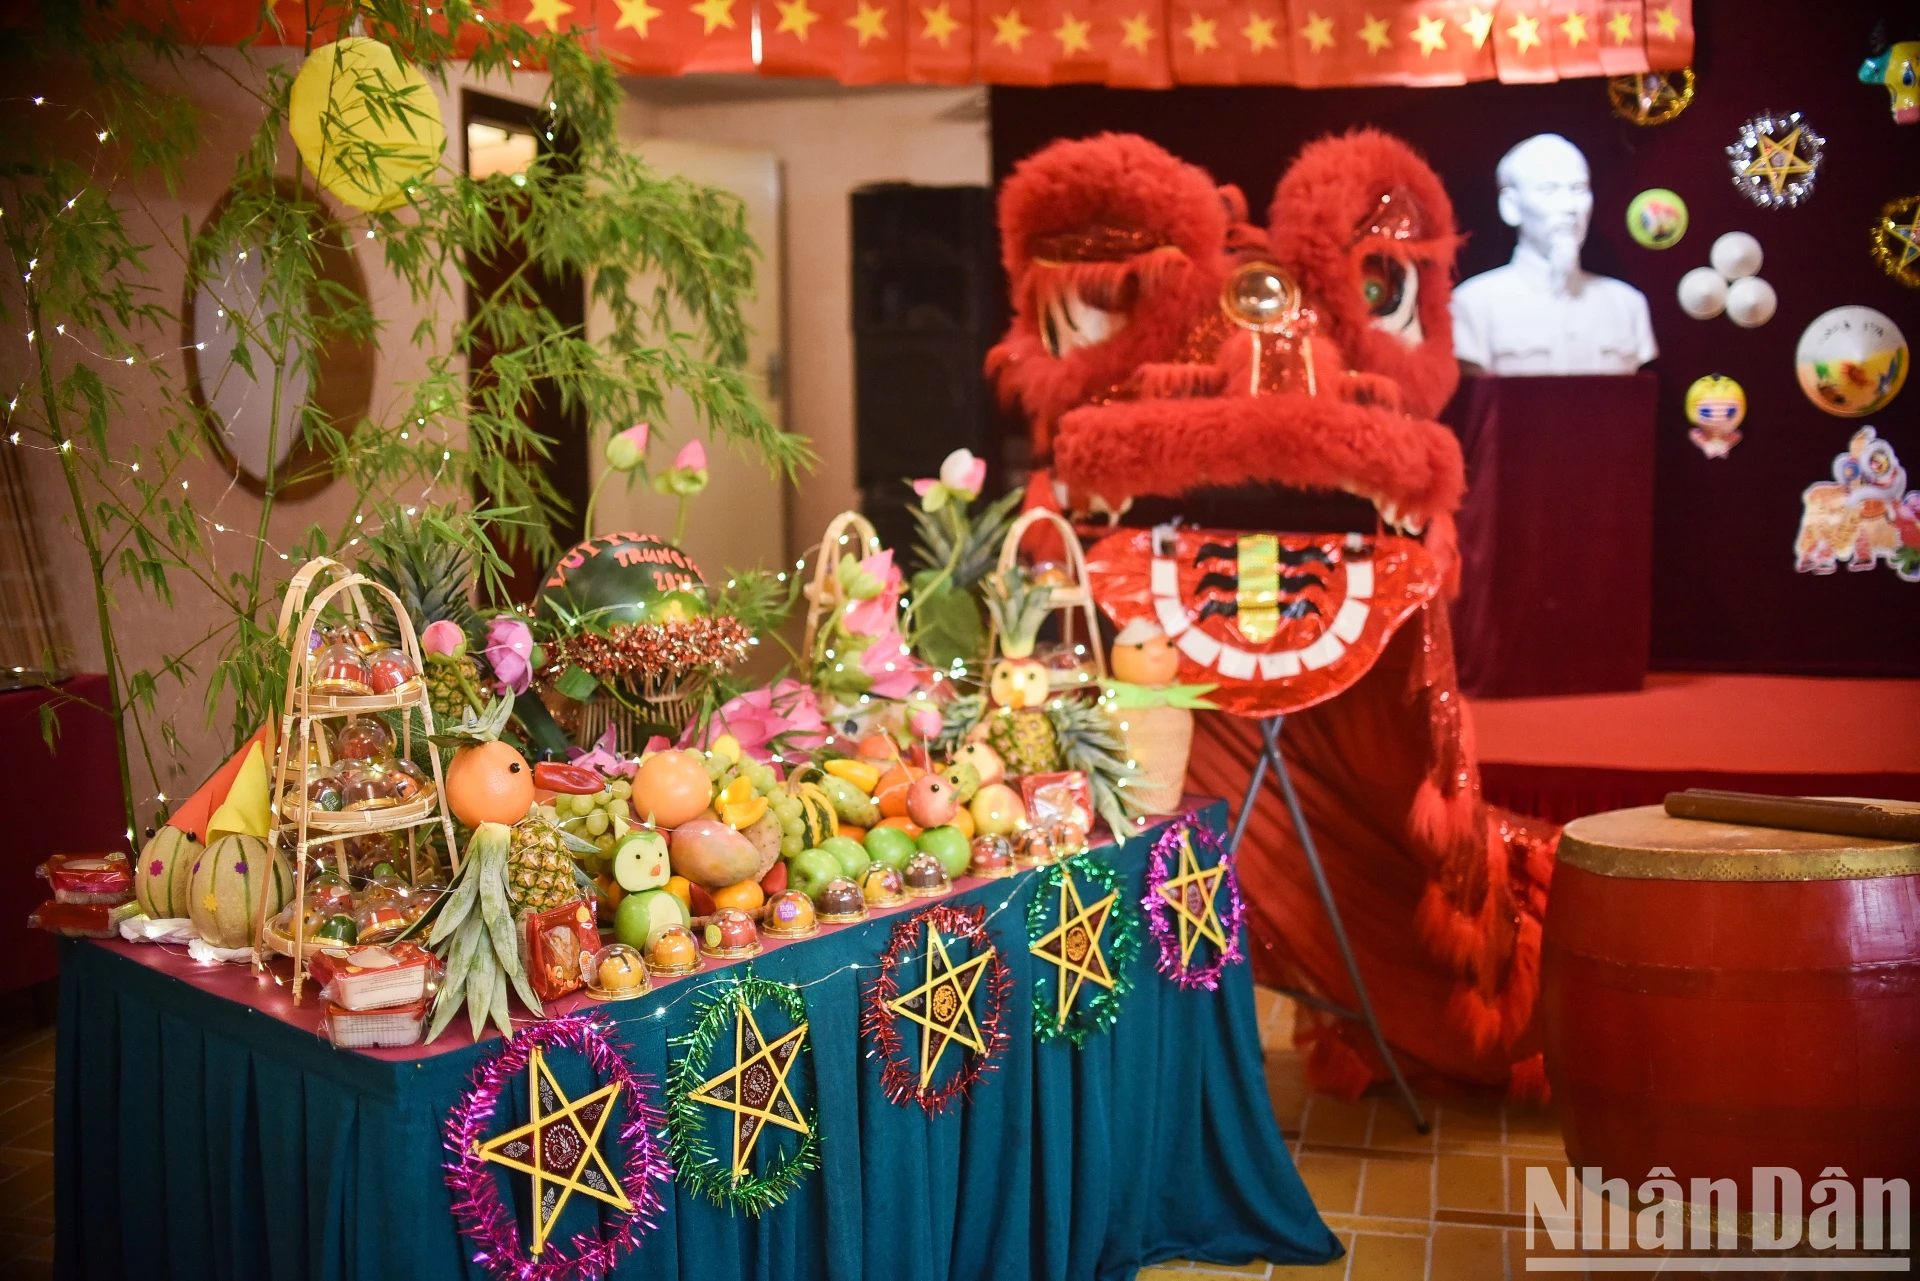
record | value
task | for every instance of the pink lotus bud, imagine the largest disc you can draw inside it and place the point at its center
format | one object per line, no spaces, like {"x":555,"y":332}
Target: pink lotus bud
{"x":692,"y":457}
{"x":628,"y":450}
{"x":925,"y":723}
{"x":443,"y":640}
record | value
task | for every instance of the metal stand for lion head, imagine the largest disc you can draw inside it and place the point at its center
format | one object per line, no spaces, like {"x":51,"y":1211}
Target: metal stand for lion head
{"x":1264,"y":300}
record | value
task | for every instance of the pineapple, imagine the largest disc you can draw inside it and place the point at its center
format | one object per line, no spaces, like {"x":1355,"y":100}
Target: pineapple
{"x":473,"y":932}
{"x":1018,"y":728}
{"x":540,"y":873}
{"x":423,"y":561}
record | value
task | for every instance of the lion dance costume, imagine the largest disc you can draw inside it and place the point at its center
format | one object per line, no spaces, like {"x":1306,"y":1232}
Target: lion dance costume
{"x":1183,"y":370}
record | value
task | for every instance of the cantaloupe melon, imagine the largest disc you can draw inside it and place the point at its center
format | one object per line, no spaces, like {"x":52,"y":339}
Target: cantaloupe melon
{"x":163,"y":877}
{"x":229,"y":880}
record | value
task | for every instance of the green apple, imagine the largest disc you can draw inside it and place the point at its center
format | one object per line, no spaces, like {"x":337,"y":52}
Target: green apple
{"x":640,"y":861}
{"x":950,"y":846}
{"x":852,"y":854}
{"x":890,"y":845}
{"x":810,"y":870}
{"x":640,"y":916}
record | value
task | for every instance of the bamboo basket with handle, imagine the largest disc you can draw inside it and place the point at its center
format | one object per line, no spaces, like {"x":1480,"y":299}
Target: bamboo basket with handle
{"x":292,"y":816}
{"x":849,"y":533}
{"x":1074,"y":595}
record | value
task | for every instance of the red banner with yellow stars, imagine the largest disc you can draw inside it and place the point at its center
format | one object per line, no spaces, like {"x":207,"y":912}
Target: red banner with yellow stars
{"x":1139,"y":44}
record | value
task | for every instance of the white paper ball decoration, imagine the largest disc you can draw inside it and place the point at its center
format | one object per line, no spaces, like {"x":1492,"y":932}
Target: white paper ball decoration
{"x":1736,"y":256}
{"x":1751,"y":302}
{"x":1703,"y":293}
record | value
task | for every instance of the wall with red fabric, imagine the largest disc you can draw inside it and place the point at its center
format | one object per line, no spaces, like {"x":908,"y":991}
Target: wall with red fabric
{"x":1725,"y":594}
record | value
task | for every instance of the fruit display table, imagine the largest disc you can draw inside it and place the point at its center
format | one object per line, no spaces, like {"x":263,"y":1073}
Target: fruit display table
{"x":204,"y":1130}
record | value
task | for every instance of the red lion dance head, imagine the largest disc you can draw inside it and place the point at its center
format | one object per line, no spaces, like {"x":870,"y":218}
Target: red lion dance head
{"x":1165,"y":350}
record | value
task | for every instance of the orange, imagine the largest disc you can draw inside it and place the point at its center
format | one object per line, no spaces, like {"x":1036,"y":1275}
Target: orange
{"x":963,"y":819}
{"x":671,"y":788}
{"x":848,"y":829}
{"x":745,"y":895}
{"x":902,"y":822}
{"x":489,"y":783}
{"x":891,"y":790}
{"x":681,"y":888}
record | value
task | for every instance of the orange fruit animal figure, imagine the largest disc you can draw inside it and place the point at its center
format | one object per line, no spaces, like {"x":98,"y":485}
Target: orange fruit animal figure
{"x":1142,"y":655}
{"x":489,"y":783}
{"x":891,"y":790}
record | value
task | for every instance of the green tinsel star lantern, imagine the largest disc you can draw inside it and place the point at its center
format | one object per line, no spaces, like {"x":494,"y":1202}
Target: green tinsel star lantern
{"x":1085,"y":928}
{"x":752,"y":1091}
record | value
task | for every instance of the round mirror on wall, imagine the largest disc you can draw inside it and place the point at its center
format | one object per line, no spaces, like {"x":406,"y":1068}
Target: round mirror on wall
{"x":237,"y":331}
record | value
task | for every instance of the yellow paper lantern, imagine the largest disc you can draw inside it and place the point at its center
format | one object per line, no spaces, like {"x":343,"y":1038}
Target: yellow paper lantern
{"x":366,"y":123}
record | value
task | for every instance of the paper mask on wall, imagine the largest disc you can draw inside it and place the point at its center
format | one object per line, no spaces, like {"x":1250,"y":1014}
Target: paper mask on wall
{"x":1896,"y":240}
{"x":1657,"y":218}
{"x":1279,"y":621}
{"x":1716,"y":406}
{"x":1864,"y":515}
{"x":1898,"y":68}
{"x":1851,"y":361}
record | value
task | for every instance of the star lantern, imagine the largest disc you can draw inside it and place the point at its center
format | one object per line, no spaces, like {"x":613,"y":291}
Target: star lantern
{"x":948,"y":1006}
{"x":1651,"y":97}
{"x":754,"y":1094}
{"x":563,"y":1149}
{"x":1088,"y":943}
{"x":1896,"y":240}
{"x":1184,"y":907}
{"x":1776,"y":160}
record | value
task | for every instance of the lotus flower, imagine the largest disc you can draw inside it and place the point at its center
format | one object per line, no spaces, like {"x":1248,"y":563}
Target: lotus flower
{"x":443,"y":641}
{"x":894,"y":674}
{"x":510,"y":653}
{"x":605,"y":755}
{"x":962,"y":477}
{"x":628,"y":450}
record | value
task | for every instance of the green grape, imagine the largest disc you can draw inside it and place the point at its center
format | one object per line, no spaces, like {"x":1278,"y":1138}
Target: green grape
{"x":580,"y":805}
{"x":605,"y":842}
{"x":596,"y":822}
{"x":621,"y":788}
{"x":716,"y":765}
{"x":761,"y":778}
{"x":791,"y":844}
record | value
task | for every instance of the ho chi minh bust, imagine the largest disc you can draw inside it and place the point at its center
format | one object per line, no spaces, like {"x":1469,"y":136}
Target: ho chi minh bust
{"x":1542,"y":314}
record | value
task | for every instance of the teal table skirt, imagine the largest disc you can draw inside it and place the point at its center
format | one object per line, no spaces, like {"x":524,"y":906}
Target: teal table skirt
{"x":199,"y":1137}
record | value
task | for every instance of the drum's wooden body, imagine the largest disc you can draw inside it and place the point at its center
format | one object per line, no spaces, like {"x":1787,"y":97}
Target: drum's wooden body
{"x":1716,"y":998}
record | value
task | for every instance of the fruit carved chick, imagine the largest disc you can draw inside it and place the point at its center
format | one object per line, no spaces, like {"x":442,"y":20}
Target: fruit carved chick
{"x":1018,"y":727}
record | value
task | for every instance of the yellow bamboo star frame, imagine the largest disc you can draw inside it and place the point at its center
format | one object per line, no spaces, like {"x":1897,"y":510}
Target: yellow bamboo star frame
{"x":1195,"y":923}
{"x":730,"y":1090}
{"x":1074,"y":946}
{"x":536,"y":1138}
{"x":943,"y":1005}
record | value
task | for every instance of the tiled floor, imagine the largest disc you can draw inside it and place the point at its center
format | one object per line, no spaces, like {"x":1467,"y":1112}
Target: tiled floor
{"x":1439,"y":1207}
{"x":26,"y":1138}
{"x":1444,"y":1206}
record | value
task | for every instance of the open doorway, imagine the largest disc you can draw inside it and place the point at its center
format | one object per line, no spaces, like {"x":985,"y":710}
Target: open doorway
{"x":503,"y":136}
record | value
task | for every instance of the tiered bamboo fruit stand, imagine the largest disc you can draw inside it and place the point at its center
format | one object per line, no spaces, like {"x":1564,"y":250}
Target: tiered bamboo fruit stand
{"x":1074,"y":594}
{"x":304,"y":826}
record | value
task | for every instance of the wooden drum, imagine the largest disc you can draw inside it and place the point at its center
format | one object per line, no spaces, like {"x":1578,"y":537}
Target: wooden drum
{"x":1716,"y":998}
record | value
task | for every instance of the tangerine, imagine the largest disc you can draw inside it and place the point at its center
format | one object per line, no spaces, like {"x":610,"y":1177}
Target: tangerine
{"x":489,"y":783}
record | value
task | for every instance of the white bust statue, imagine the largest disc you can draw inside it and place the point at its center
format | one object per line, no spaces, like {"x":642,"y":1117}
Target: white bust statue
{"x":1542,"y":314}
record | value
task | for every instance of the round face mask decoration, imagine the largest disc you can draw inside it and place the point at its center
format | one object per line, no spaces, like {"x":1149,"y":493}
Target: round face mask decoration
{"x":1716,"y":406}
{"x":1851,"y":361}
{"x":1657,"y":218}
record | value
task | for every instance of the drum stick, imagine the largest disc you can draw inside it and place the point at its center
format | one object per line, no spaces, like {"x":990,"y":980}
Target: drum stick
{"x":1799,"y":813}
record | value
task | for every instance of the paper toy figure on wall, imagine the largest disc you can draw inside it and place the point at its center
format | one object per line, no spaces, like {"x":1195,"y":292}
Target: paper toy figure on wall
{"x":1716,"y":406}
{"x":1897,"y":66}
{"x":1864,"y":515}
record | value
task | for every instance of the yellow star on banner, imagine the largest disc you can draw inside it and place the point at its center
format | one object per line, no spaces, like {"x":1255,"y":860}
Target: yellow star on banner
{"x":755,"y":1088}
{"x":795,"y":17}
{"x":1430,"y":35}
{"x":943,"y":1005}
{"x":1620,"y":27}
{"x":559,"y":1147}
{"x":1074,"y":945}
{"x":1259,"y":33}
{"x":1072,"y":35}
{"x":547,"y":12}
{"x":1525,"y":32}
{"x":1478,"y":26}
{"x":1374,"y":32}
{"x":1666,"y":22}
{"x":1318,"y":32}
{"x":940,"y":23}
{"x":715,"y":13}
{"x":635,"y":15}
{"x":1009,"y":30}
{"x":1576,"y":28}
{"x":1194,"y":896}
{"x":1137,"y":33}
{"x":1201,"y":32}
{"x":869,"y":23}
{"x":1778,"y":161}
